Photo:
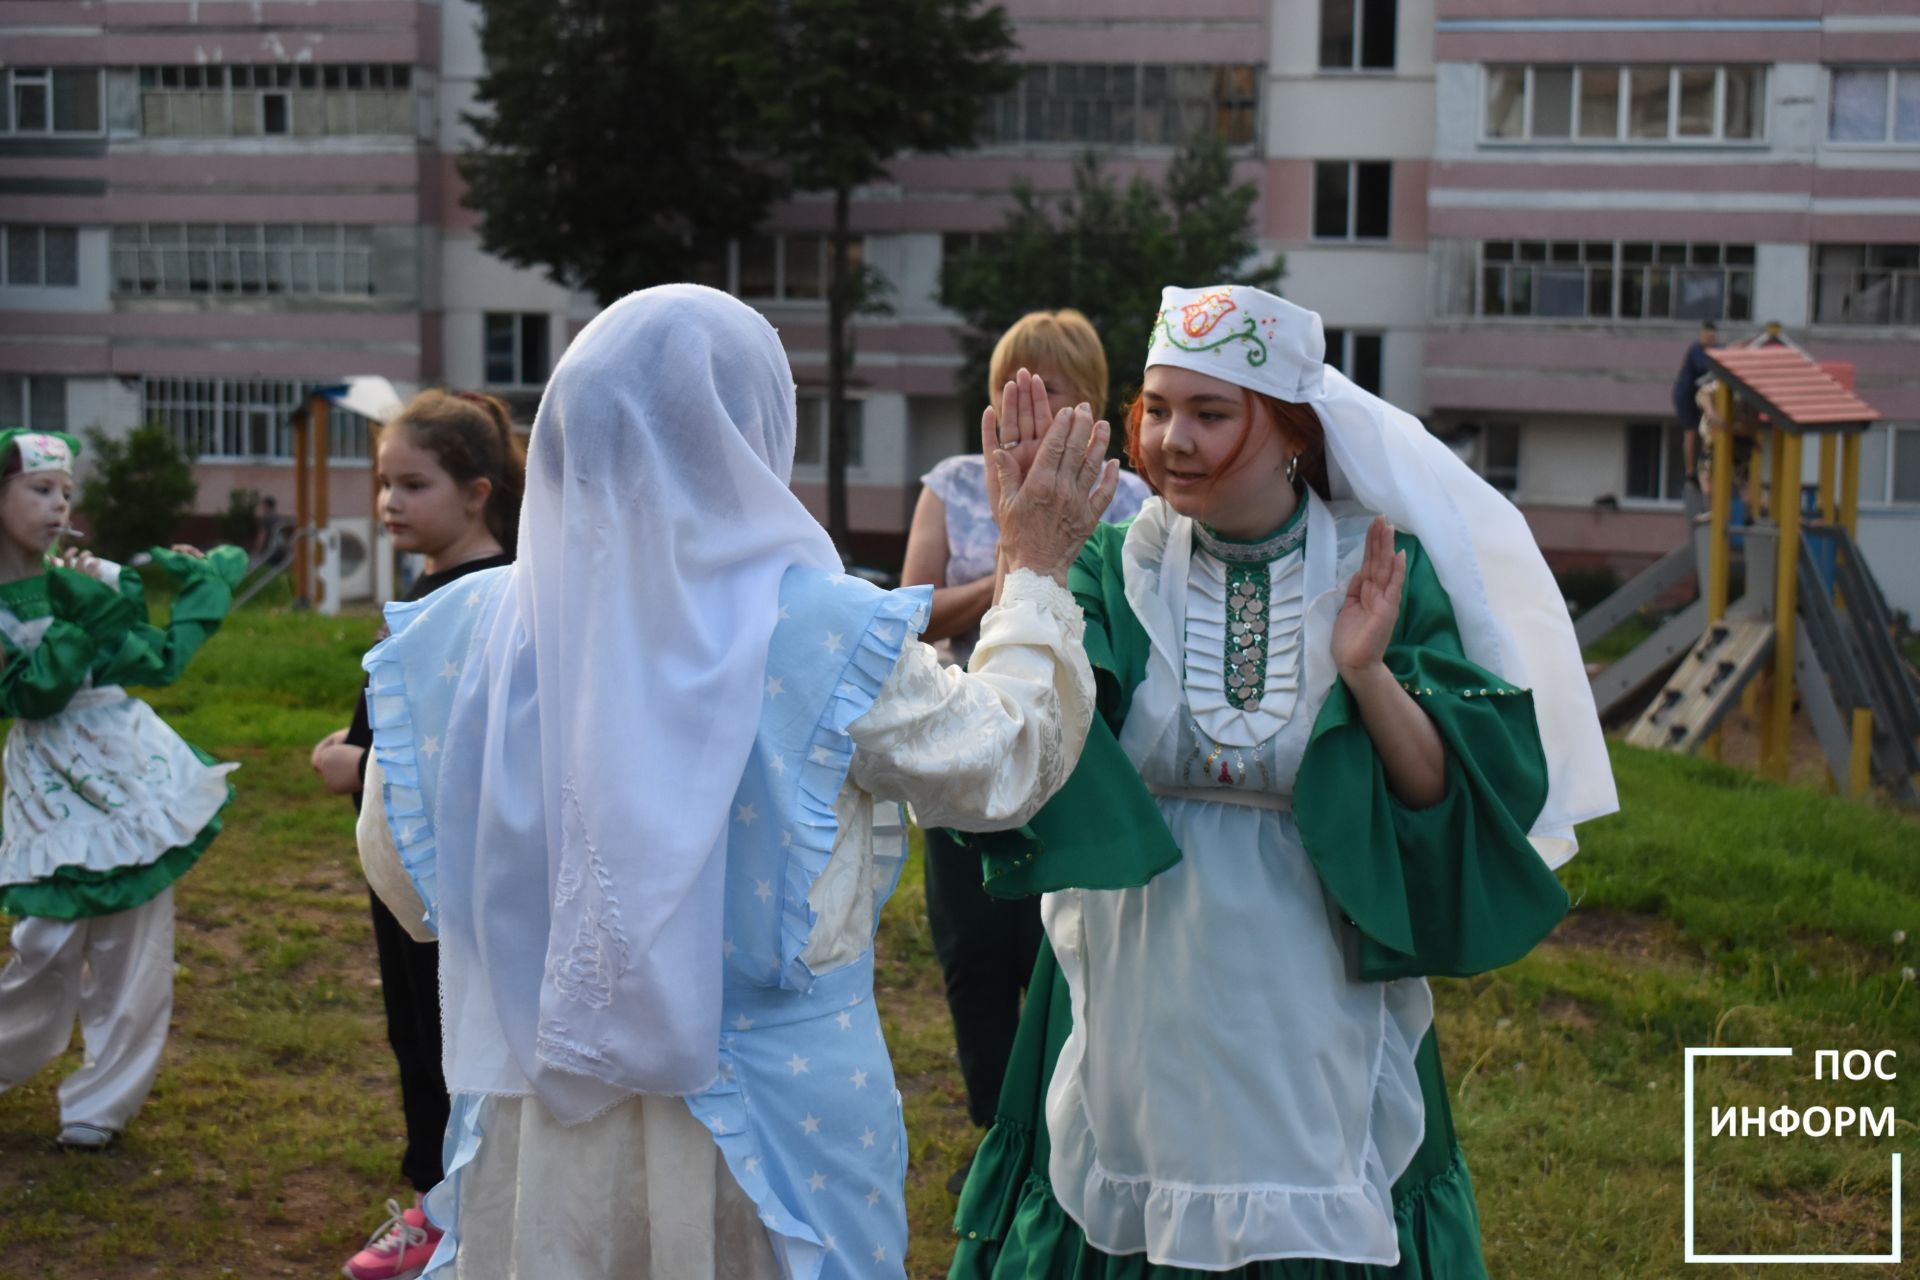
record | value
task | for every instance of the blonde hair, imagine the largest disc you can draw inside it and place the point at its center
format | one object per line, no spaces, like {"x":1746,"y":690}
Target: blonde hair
{"x":1063,"y":340}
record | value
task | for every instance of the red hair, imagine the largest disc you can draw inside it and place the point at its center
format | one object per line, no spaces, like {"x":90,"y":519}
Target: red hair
{"x":1297,"y":424}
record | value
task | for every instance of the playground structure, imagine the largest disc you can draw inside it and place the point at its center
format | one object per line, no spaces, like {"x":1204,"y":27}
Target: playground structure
{"x":311,"y":552}
{"x":1811,"y":625}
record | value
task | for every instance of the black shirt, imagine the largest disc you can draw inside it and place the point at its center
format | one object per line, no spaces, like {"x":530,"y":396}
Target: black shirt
{"x":1692,"y":369}
{"x":360,"y":732}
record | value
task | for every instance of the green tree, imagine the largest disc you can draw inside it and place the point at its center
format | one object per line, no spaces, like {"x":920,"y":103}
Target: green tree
{"x":859,"y":83}
{"x":1107,"y":250}
{"x":136,"y":491}
{"x":619,"y":144}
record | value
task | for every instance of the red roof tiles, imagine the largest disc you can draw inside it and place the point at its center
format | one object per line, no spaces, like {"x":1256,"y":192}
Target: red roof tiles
{"x":1796,"y":392}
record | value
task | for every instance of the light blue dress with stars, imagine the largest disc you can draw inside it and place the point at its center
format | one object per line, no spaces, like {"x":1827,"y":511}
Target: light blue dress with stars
{"x":804,"y":1112}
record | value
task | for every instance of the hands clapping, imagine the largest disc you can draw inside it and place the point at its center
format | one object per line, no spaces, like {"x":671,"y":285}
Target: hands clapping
{"x":1046,"y":509}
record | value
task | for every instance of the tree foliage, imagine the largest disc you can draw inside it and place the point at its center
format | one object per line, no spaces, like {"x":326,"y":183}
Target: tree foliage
{"x":620,"y":142}
{"x":623,"y":143}
{"x":862,"y":83}
{"x":1107,"y":250}
{"x":136,"y":491}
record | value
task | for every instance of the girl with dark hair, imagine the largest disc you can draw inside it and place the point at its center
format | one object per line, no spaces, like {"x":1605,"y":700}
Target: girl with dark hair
{"x":452,"y":472}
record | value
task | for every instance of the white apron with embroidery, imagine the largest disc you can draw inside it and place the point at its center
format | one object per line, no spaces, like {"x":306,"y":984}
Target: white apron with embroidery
{"x":101,"y":786}
{"x":1229,"y":1092}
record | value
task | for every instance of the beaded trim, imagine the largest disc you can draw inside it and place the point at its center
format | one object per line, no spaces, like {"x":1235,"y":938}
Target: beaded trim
{"x":1249,"y":592}
{"x":1251,"y":552}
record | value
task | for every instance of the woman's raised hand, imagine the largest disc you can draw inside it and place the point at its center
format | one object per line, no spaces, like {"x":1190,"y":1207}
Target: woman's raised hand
{"x":1047,"y":514}
{"x":1015,"y":426}
{"x":1372,"y":606}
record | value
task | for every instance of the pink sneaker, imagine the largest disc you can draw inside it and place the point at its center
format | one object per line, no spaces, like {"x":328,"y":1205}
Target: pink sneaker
{"x":399,"y":1249}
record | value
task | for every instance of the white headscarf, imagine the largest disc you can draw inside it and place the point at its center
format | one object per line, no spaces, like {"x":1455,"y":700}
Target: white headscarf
{"x":1512,"y":618}
{"x":609,"y":705}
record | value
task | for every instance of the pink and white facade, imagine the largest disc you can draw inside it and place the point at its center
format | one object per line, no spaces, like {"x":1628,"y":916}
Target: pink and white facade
{"x":1510,"y":223}
{"x":1599,"y":183}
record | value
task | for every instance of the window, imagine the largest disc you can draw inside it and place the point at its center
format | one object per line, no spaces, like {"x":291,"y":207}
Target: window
{"x":955,"y":245}
{"x":243,"y":419}
{"x":1654,"y":104}
{"x":1866,"y":284}
{"x":170,"y":259}
{"x":1656,"y":461}
{"x":1126,"y":104}
{"x":33,"y":401}
{"x":516,"y":348}
{"x":1500,"y":455}
{"x":810,"y":439}
{"x":37,"y":255}
{"x":1616,"y":280}
{"x":1890,"y":464}
{"x":1903,"y":475}
{"x":276,"y":113}
{"x":1357,"y":355}
{"x":1352,"y":199}
{"x":277,"y":99}
{"x":781,"y":266}
{"x":1874,"y":104}
{"x":39,"y":100}
{"x":1357,"y":35}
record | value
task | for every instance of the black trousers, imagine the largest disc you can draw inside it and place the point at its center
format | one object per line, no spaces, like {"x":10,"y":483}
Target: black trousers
{"x":410,"y":982}
{"x":986,"y":947}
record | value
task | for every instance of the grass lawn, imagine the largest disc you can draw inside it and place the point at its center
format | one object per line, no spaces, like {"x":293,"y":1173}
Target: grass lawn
{"x":1714,"y":910}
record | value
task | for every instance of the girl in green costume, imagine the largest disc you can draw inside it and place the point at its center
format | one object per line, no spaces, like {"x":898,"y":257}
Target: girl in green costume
{"x":105,"y":805}
{"x":1335,"y":756}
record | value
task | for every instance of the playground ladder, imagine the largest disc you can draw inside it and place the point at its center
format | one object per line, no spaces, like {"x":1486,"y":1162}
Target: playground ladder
{"x":1707,"y":683}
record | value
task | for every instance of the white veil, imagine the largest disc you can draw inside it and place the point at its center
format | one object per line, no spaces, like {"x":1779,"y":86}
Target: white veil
{"x":608,"y":707}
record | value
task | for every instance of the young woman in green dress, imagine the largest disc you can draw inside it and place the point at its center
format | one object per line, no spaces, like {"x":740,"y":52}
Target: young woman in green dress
{"x":1345,"y":736}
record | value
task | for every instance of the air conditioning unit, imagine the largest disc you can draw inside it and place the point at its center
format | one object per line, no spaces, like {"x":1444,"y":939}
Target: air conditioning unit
{"x":356,"y":564}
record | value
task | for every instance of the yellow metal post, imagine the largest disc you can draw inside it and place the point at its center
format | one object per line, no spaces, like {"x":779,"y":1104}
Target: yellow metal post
{"x":1776,"y":454}
{"x":1719,"y":550}
{"x":302,"y":502}
{"x":1850,"y":481}
{"x":322,"y":491}
{"x":1860,"y":763}
{"x":1786,"y":605}
{"x":1829,"y":507}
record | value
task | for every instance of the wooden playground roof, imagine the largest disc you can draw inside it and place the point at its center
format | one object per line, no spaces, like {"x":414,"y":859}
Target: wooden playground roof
{"x":1795,"y":392}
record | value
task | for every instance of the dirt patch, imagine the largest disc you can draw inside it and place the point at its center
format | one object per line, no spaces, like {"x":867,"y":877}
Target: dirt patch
{"x":1565,"y":1011}
{"x":1740,"y":744}
{"x":1620,"y":933}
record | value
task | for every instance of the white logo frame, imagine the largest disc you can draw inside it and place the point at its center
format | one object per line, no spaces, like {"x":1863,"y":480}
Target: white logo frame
{"x":1893,"y":1255}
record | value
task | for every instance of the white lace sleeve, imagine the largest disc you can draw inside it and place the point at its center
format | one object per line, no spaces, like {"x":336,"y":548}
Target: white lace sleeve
{"x":983,"y":749}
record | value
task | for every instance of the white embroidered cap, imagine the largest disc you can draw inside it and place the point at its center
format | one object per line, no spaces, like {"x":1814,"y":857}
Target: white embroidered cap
{"x":42,"y":452}
{"x":1245,"y":336}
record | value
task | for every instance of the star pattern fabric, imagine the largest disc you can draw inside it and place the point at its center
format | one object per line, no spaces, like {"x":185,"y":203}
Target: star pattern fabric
{"x":804,"y":1109}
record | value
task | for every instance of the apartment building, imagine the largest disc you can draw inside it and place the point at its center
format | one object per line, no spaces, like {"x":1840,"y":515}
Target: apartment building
{"x":1511,"y":223}
{"x":1601,"y":183}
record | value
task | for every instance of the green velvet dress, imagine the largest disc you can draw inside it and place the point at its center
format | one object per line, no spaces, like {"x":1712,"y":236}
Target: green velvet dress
{"x":1452,"y":889}
{"x":105,"y":805}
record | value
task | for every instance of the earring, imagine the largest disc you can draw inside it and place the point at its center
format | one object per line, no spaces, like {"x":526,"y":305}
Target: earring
{"x":1293,"y":469}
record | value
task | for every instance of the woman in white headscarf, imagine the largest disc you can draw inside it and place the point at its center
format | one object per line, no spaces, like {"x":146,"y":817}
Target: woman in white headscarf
{"x":639,"y":781}
{"x":1345,"y":735}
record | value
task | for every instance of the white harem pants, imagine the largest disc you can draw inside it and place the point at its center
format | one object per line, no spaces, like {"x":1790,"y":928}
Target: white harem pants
{"x":113,"y":972}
